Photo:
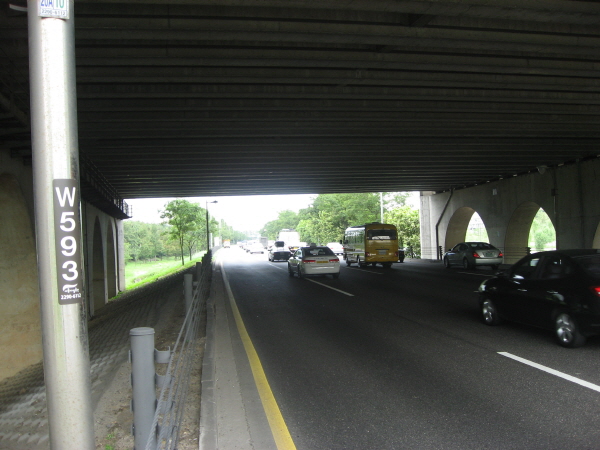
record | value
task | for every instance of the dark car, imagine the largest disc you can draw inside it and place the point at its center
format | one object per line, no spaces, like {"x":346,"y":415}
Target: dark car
{"x":557,"y":290}
{"x":401,"y":255}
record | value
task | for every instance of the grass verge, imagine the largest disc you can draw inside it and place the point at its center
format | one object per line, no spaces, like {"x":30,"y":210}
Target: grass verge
{"x":139,"y":273}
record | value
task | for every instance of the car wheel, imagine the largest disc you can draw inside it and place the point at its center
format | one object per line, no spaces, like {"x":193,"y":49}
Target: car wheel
{"x":466,"y":264}
{"x":290,"y":271}
{"x":360,"y":263}
{"x":299,"y":272}
{"x":446,"y":263}
{"x":348,"y":262}
{"x":567,"y":331}
{"x":489,"y":313}
{"x":335,"y":275}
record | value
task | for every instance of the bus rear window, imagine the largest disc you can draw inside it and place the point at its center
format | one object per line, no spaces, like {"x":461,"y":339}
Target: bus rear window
{"x":382,"y":235}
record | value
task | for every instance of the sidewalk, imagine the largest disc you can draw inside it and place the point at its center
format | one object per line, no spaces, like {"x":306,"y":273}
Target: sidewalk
{"x":232,"y":415}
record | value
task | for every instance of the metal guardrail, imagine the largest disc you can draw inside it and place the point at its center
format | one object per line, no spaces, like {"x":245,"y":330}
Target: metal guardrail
{"x":164,"y":430}
{"x":96,"y":180}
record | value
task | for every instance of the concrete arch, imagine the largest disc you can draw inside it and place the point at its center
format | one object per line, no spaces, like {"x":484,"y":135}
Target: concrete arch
{"x":517,"y":233}
{"x":99,"y":294}
{"x":20,"y":340}
{"x":111,"y":262}
{"x":456,"y":231}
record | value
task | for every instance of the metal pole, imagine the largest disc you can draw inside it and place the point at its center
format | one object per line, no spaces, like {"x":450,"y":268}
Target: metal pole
{"x":207,"y":228}
{"x":58,"y":224}
{"x":142,"y":384}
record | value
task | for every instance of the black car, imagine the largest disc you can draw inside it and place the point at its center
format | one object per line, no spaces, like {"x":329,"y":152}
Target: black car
{"x":557,"y":290}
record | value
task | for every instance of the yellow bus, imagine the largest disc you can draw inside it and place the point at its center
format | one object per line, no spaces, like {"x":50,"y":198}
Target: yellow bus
{"x":371,"y":243}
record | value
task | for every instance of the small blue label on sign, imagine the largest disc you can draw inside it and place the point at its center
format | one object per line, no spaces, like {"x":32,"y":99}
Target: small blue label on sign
{"x":54,"y":8}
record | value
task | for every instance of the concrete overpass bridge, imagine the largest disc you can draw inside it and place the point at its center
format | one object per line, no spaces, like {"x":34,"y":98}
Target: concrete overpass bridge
{"x":490,"y":107}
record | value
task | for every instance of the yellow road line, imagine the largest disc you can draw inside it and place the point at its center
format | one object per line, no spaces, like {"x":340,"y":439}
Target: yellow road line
{"x":281,"y":434}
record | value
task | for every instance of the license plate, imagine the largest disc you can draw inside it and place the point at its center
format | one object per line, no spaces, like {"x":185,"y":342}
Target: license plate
{"x":382,"y":252}
{"x":322,"y":262}
{"x":488,"y":254}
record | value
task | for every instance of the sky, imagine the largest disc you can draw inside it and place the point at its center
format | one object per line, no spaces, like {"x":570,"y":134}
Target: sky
{"x":244,"y":213}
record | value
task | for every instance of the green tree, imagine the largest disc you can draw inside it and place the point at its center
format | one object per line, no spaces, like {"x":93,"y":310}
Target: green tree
{"x":185,"y":219}
{"x":542,"y":232}
{"x":330,"y":214}
{"x":392,"y":200}
{"x":286,"y":219}
{"x":134,"y":235}
{"x":406,"y":220}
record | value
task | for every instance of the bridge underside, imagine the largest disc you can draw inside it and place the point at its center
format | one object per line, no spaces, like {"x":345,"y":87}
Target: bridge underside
{"x":195,"y":98}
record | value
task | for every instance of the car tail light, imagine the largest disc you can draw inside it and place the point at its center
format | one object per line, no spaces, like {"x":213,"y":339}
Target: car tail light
{"x":500,"y":255}
{"x":367,"y":254}
{"x":309,"y":261}
{"x":476,"y":255}
{"x":397,"y":254}
{"x":595,"y":290}
{"x":334,"y":260}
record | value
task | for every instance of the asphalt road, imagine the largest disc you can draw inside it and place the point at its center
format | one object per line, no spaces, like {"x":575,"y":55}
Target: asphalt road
{"x":399,"y":359}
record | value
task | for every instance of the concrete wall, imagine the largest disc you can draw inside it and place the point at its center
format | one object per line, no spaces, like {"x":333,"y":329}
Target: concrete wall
{"x":20,"y":336}
{"x":104,"y":257}
{"x":568,"y":194}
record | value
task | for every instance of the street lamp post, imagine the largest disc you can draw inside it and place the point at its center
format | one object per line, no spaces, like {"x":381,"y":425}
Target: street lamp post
{"x":208,"y":226}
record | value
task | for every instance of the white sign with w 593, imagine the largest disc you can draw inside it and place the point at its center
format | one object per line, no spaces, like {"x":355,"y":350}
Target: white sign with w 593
{"x":68,"y":240}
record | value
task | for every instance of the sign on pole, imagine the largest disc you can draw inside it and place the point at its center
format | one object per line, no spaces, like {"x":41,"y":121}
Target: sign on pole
{"x":68,"y":237}
{"x":53,"y":8}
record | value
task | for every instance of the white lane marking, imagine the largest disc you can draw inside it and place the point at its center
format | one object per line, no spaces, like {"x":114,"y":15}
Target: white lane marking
{"x":477,"y":274}
{"x":322,"y":284}
{"x":363,"y":270}
{"x":573,"y":379}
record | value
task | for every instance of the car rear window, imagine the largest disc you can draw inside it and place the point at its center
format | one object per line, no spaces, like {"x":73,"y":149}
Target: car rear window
{"x":482,"y":246}
{"x":321,"y":251}
{"x":590,"y":263}
{"x":381,"y":234}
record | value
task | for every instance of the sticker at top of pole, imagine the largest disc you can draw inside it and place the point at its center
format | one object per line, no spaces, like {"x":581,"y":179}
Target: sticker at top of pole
{"x":53,"y":8}
{"x":67,"y":230}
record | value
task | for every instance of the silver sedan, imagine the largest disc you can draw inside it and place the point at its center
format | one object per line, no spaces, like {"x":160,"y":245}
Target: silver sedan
{"x":314,"y":261}
{"x":472,"y":254}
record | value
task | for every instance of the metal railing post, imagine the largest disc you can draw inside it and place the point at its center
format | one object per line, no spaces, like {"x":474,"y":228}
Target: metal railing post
{"x":188,"y":290}
{"x":143,"y":384}
{"x":198,"y":272}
